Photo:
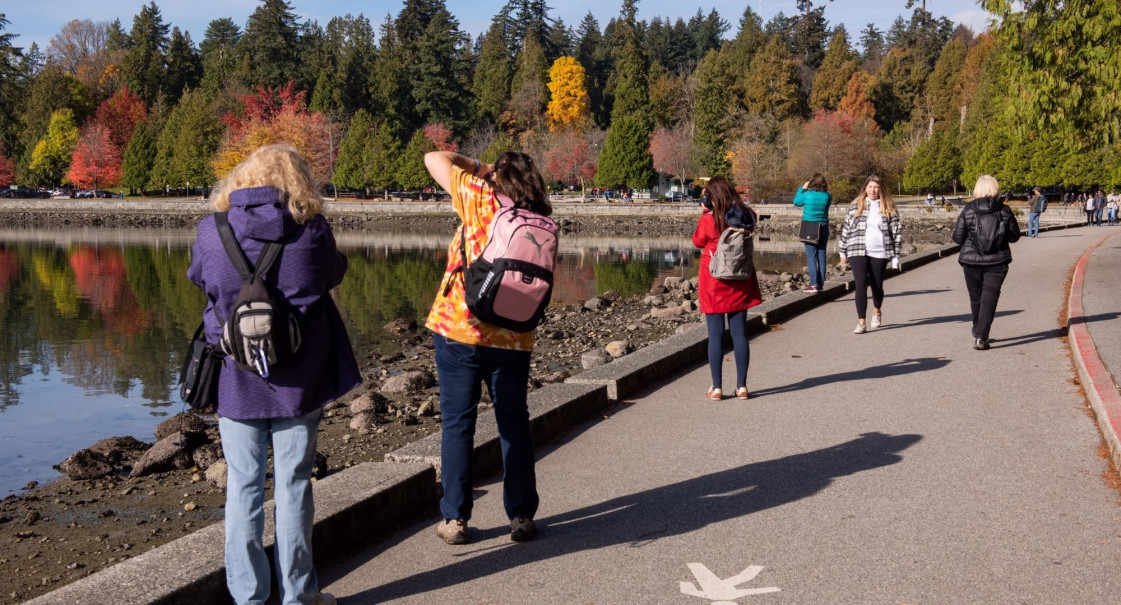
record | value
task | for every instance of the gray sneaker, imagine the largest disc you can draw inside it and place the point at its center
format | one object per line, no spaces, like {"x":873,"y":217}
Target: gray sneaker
{"x":877,"y":318}
{"x":325,"y":598}
{"x":860,"y":329}
{"x":522,"y":529}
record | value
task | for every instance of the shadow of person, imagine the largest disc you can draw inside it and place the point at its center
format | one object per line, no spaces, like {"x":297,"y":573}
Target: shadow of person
{"x":895,"y":368}
{"x":1088,"y":319}
{"x":943,"y":319}
{"x":642,"y":518}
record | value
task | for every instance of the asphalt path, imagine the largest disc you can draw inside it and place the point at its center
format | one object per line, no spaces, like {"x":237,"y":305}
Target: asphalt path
{"x":897,"y":466}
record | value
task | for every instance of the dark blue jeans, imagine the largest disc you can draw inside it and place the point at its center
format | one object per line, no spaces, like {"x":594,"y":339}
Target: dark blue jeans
{"x":815,"y":258}
{"x":462,"y":370}
{"x":737,"y":327}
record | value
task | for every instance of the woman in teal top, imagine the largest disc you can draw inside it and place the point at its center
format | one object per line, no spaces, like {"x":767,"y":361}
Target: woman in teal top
{"x":814,"y":200}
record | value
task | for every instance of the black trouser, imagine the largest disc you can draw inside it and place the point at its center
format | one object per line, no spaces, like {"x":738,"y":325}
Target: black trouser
{"x":983,"y":284}
{"x":868,"y":271}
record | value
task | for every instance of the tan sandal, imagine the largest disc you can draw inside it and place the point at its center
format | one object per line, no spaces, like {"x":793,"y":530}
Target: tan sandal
{"x":715,"y":394}
{"x":741,"y":393}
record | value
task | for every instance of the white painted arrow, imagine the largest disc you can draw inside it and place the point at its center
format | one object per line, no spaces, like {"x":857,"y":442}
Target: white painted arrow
{"x":723,"y":591}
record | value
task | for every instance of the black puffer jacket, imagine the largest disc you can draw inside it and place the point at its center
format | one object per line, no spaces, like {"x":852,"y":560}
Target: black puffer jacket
{"x":965,"y":232}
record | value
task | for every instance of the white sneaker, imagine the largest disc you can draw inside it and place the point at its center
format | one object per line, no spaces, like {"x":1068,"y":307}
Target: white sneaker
{"x":876,"y":319}
{"x":860,"y":329}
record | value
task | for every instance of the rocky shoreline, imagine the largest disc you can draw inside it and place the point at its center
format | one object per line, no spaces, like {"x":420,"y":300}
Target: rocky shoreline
{"x":127,"y":497}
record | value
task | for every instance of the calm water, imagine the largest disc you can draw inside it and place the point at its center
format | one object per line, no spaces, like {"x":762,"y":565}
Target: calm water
{"x":95,"y":321}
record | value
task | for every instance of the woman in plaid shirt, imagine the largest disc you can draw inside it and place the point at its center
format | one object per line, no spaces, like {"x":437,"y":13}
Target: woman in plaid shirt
{"x":872,"y":234}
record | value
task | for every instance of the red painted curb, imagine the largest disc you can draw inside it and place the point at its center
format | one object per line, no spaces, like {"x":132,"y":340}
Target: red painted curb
{"x":1104,"y":396}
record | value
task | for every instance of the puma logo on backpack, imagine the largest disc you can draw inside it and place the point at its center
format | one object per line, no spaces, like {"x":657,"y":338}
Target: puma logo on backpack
{"x":262,"y":330}
{"x":733,"y":259}
{"x":511,"y":283}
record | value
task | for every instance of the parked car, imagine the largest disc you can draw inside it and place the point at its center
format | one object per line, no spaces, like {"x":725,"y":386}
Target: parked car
{"x":23,"y":194}
{"x":95,"y":193}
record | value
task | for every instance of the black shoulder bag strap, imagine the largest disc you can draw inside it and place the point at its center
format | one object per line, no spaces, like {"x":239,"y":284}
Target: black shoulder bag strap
{"x":237,"y":256}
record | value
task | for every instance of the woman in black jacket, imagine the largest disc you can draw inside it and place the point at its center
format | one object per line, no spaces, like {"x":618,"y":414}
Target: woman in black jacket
{"x":984,"y":229}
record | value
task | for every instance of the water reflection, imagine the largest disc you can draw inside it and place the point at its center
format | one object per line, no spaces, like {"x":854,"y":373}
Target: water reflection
{"x":95,"y":321}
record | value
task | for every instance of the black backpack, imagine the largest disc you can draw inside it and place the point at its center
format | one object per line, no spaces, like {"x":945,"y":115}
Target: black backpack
{"x":989,"y":231}
{"x":262,"y":330}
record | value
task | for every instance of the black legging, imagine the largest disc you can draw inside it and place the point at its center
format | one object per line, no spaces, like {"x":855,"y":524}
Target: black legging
{"x":737,"y":326}
{"x":863,"y":268}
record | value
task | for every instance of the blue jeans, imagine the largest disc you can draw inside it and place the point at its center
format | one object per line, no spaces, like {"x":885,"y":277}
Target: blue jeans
{"x":737,"y":327}
{"x":1033,"y":224}
{"x":462,"y":370}
{"x":815,"y":258}
{"x":1098,"y":215}
{"x":1112,"y":216}
{"x":245,"y":444}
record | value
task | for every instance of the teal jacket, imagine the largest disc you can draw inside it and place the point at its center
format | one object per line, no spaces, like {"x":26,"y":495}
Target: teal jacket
{"x":814,"y":204}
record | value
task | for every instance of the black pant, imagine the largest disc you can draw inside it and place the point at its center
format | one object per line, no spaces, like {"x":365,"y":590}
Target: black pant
{"x":983,"y":284}
{"x":868,"y":271}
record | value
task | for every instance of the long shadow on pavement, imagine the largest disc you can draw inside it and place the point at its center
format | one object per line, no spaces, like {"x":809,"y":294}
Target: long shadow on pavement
{"x":897,"y":368}
{"x":1087,"y":319}
{"x":945,"y":319}
{"x":642,"y":518}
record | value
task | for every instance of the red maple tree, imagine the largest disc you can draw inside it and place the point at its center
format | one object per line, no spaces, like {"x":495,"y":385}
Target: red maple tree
{"x":571,"y":157}
{"x":674,"y":151}
{"x":440,"y":135}
{"x":96,"y":161}
{"x":7,"y":171}
{"x":121,"y":113}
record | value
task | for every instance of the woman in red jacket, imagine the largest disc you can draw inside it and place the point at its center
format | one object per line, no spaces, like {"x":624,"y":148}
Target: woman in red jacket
{"x":719,"y":298}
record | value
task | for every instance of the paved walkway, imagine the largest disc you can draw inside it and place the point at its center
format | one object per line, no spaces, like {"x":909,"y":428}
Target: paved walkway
{"x":898,"y":466}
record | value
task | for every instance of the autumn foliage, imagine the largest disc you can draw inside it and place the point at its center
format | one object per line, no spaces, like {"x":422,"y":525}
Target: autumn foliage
{"x":278,"y":116}
{"x":121,"y":113}
{"x":571,"y":158}
{"x":7,"y":171}
{"x":441,"y":137}
{"x":96,"y":161}
{"x":569,"y":103}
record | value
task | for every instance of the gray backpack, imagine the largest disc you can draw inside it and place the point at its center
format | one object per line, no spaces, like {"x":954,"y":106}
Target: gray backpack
{"x":733,"y":258}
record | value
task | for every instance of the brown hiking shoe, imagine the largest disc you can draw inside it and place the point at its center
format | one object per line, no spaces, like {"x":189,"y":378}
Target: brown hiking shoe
{"x":453,"y":531}
{"x":522,"y":529}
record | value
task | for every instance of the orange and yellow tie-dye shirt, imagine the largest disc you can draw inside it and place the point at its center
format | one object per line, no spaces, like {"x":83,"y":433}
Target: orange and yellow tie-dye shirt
{"x":475,"y":203}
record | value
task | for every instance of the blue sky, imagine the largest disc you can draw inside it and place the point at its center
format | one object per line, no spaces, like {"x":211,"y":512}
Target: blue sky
{"x":39,"y":20}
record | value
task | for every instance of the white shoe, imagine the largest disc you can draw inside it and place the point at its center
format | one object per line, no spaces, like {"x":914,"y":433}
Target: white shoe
{"x":860,"y":329}
{"x":876,"y":319}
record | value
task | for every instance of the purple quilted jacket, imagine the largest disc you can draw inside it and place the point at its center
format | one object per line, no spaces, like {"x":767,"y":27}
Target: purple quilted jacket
{"x":309,"y":265}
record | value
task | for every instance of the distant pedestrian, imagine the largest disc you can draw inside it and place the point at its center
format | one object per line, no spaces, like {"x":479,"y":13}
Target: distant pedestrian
{"x":1099,"y":207}
{"x":271,"y":197}
{"x":814,"y":199}
{"x":1088,"y":208}
{"x":1036,"y":206}
{"x":930,"y":199}
{"x":871,"y":236}
{"x":722,"y":208}
{"x":471,"y":353}
{"x":984,"y":229}
{"x":1112,"y":202}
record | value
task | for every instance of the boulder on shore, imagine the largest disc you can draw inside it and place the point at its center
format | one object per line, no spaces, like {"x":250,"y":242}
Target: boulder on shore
{"x":86,"y":464}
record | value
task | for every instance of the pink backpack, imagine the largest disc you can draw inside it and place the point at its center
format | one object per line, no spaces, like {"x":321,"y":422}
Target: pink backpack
{"x":511,"y":283}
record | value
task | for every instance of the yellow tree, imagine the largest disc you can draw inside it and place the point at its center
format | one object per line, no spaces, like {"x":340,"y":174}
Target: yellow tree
{"x":569,"y":104}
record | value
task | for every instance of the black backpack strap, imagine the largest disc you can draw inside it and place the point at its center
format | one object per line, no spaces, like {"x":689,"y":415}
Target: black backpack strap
{"x":237,"y":255}
{"x":463,"y":260}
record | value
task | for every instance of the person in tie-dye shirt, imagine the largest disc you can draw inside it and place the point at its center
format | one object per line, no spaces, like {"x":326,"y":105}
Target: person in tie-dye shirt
{"x":470,"y":352}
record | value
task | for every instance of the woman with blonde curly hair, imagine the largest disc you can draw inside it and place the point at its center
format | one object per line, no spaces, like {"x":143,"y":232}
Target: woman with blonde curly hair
{"x":272,"y":197}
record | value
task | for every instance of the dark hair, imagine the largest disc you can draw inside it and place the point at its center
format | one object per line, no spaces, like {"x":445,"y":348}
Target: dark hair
{"x":722,"y":195}
{"x":817,"y":183}
{"x":516,"y":176}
